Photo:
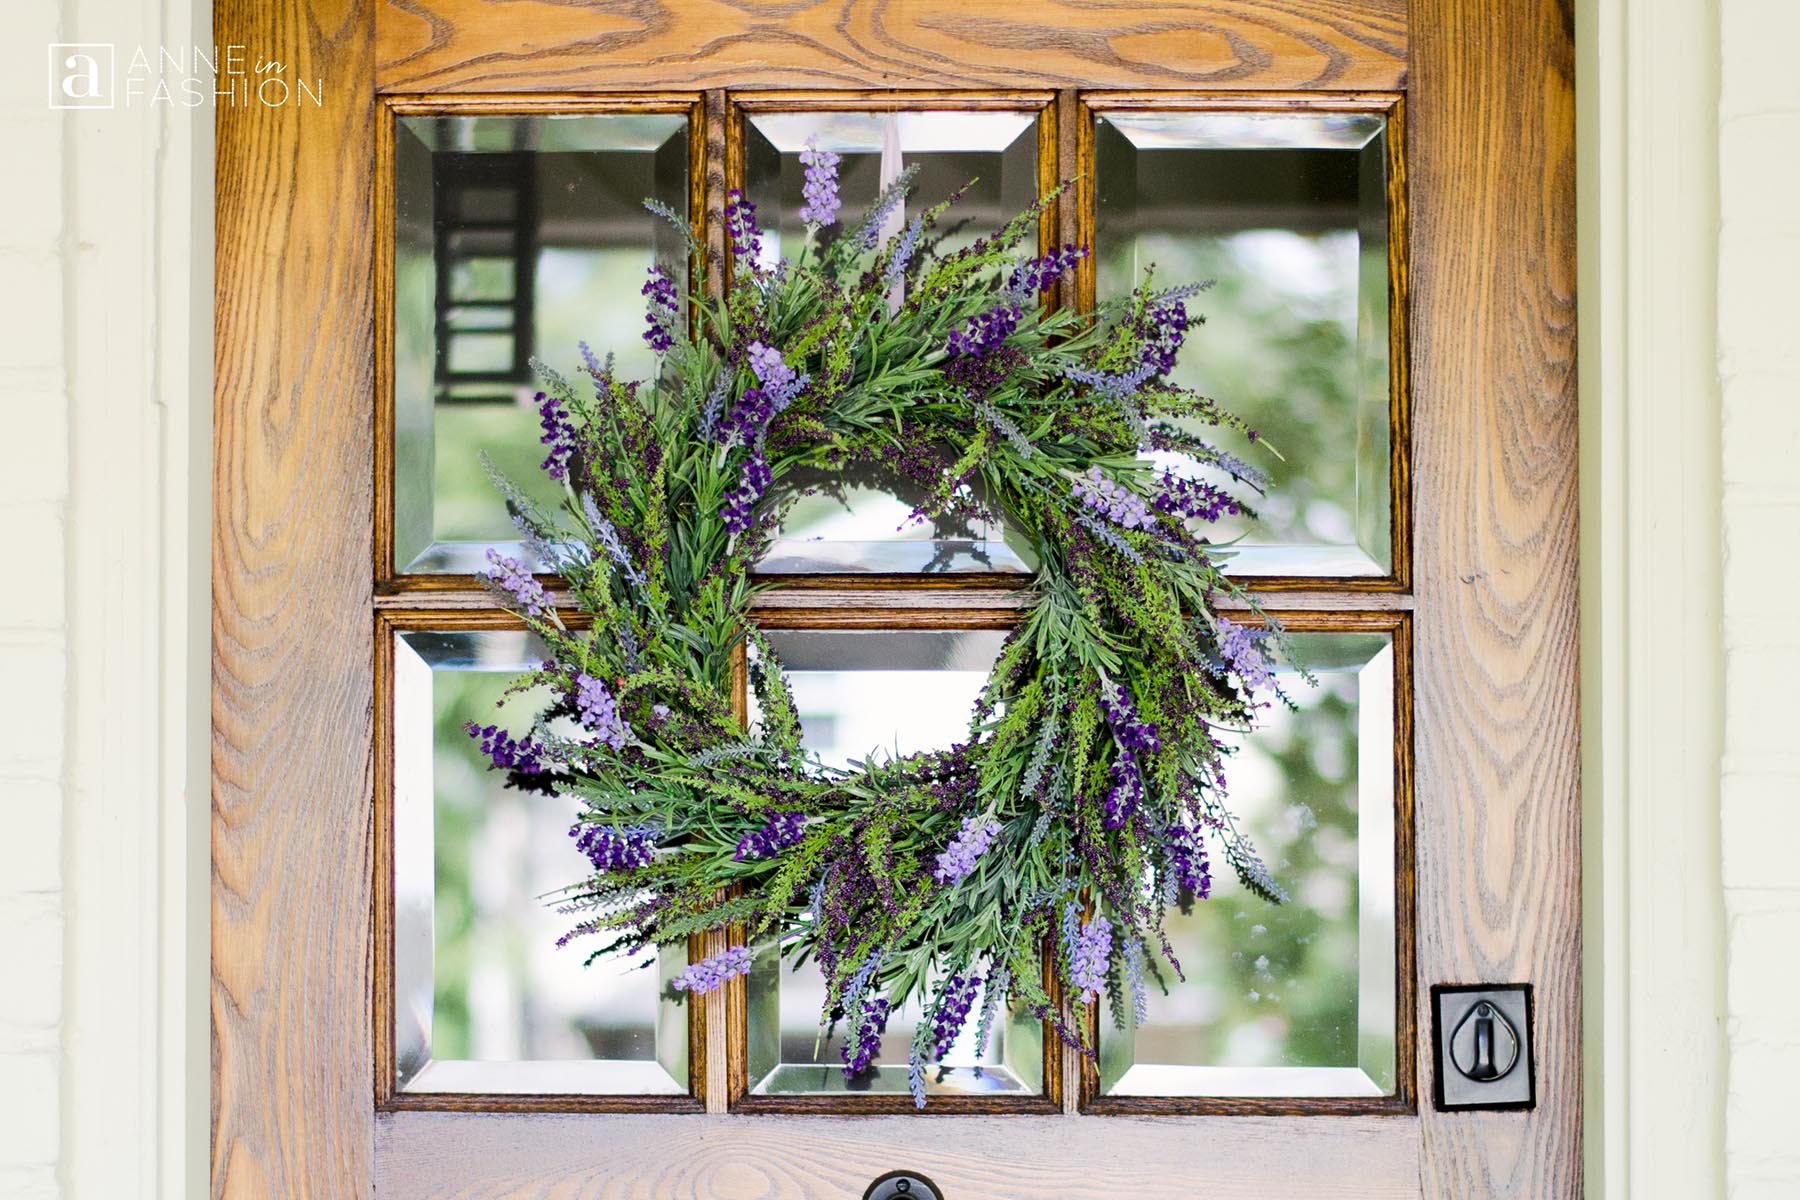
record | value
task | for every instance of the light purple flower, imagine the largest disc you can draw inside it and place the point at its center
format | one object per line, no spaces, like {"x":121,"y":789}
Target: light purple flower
{"x":820,"y":191}
{"x":958,"y":858}
{"x":599,"y":712}
{"x":1089,"y":948}
{"x":1242,"y":649}
{"x":710,"y":974}
{"x":511,"y":577}
{"x":863,"y":1042}
{"x":1113,"y":500}
{"x":952,"y":1012}
{"x":741,"y":228}
{"x":777,"y":384}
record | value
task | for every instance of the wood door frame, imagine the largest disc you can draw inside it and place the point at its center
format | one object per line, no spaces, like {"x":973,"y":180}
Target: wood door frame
{"x":1494,"y":539}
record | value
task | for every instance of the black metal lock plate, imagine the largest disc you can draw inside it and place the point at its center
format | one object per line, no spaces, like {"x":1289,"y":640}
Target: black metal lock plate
{"x":903,"y":1185}
{"x":1481,"y":1046}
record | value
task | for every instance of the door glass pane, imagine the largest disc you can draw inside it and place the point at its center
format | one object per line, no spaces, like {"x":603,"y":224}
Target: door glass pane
{"x":1287,"y":214}
{"x":1293,"y":999}
{"x":863,"y":693}
{"x":860,"y":520}
{"x":514,"y":238}
{"x":485,"y":1000}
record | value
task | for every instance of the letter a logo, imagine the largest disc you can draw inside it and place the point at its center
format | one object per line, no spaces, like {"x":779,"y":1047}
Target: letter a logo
{"x":81,"y":75}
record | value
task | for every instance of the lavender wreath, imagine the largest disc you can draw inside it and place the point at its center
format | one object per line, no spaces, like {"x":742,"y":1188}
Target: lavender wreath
{"x":1089,"y":794}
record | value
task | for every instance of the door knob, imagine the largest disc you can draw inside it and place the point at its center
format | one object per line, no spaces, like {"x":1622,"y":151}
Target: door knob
{"x":1485,"y":1046}
{"x":903,"y":1185}
{"x":1481,"y":1046}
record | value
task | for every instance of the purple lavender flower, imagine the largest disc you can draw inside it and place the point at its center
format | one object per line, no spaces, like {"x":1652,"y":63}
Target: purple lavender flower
{"x":1184,"y":854}
{"x":741,"y":500}
{"x":1035,"y":274}
{"x":1126,"y":794}
{"x":599,"y":712}
{"x":1192,"y":498}
{"x":777,"y":384}
{"x":1113,"y":500}
{"x":1133,"y":733}
{"x":820,"y":190}
{"x":662,"y":309}
{"x":1089,"y":947}
{"x":1242,"y":649}
{"x":710,"y":974}
{"x":741,"y":227}
{"x":1113,"y":387}
{"x":559,"y":435}
{"x":614,"y":849}
{"x":781,"y":831}
{"x":504,"y":752}
{"x":863,"y":1042}
{"x":958,"y":858}
{"x":952,"y":1012}
{"x":511,"y":577}
{"x":984,"y":332}
{"x":1164,"y":328}
{"x":904,"y":249}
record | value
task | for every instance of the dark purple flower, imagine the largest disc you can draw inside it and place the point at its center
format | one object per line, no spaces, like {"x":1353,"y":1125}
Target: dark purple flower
{"x":820,"y":191}
{"x":1192,"y":498}
{"x":559,"y":435}
{"x":1126,"y":794}
{"x":1035,"y":274}
{"x":741,"y":227}
{"x":777,"y":385}
{"x":984,"y":332}
{"x":1184,"y":854}
{"x":710,"y":974}
{"x":1121,"y":713}
{"x":523,"y":755}
{"x":781,"y":831}
{"x":511,"y":577}
{"x":614,"y":849}
{"x":862,"y":1043}
{"x":752,"y":483}
{"x":952,"y":1012}
{"x":662,"y":309}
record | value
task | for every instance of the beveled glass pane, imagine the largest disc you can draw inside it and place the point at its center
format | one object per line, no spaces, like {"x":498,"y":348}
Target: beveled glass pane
{"x":1287,"y":213}
{"x":514,"y":237}
{"x":485,"y":1001}
{"x":1293,"y":999}
{"x":864,"y":693}
{"x":863,"y":523}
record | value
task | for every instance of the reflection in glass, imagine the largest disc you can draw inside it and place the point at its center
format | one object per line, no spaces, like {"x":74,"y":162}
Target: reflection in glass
{"x":1296,"y":999}
{"x":1287,"y":214}
{"x":514,"y":237}
{"x":861,"y":521}
{"x":485,"y":1001}
{"x":863,"y":693}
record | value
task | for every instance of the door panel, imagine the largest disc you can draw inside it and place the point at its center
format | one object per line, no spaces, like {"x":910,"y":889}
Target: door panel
{"x":1477,"y":589}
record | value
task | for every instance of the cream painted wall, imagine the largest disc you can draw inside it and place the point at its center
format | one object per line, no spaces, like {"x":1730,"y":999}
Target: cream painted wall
{"x":1691,"y":399}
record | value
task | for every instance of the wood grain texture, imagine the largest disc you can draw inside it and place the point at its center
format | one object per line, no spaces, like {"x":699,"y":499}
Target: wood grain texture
{"x":1493,"y":281}
{"x":561,"y":45}
{"x":483,"y":1157}
{"x":291,"y":865}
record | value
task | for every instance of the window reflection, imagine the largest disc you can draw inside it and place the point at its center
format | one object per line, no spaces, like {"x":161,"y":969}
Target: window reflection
{"x":1287,"y":214}
{"x":485,"y":999}
{"x":880,"y":693}
{"x":861,"y":520}
{"x":515,"y":237}
{"x":1295,"y":998}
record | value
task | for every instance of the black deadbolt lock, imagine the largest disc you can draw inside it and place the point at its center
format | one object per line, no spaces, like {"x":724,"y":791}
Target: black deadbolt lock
{"x":903,"y":1185}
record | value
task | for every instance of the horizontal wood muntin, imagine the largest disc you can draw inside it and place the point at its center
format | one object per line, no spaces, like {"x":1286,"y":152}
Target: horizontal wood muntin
{"x":884,"y":100}
{"x":1226,"y":100}
{"x":850,"y":1104}
{"x":1248,"y":1106}
{"x":566,"y":1102}
{"x":543,"y":45}
{"x":537,"y":104}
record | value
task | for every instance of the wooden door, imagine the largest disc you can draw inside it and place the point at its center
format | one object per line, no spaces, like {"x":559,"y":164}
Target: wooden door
{"x":1459,"y":575}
